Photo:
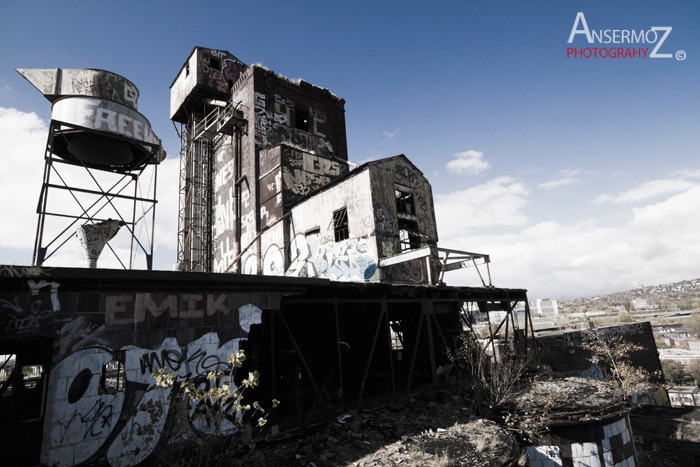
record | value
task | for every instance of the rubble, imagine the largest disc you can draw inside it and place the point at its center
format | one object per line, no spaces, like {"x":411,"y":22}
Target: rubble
{"x":426,"y":428}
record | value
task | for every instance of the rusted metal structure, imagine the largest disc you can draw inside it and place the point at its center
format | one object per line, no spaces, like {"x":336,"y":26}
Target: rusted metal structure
{"x":100,"y":162}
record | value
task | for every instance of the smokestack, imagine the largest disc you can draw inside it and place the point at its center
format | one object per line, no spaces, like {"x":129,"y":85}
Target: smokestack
{"x":93,"y":238}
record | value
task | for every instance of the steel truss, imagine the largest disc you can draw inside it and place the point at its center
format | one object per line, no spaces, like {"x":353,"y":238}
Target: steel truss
{"x":94,"y":202}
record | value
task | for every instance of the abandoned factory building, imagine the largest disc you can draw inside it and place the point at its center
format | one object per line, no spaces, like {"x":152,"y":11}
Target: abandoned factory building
{"x":327,"y":274}
{"x":266,"y":187}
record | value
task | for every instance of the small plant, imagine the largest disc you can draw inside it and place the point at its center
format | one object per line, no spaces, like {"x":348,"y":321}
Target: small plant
{"x":613,"y":352}
{"x":212,"y":406}
{"x":493,"y":380}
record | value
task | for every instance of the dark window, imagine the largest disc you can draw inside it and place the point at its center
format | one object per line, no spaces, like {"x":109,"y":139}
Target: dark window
{"x":409,"y":237}
{"x":187,"y":69}
{"x":301,"y":117}
{"x":404,"y":204}
{"x":340,"y":224}
{"x":215,"y":64}
{"x":112,"y":378}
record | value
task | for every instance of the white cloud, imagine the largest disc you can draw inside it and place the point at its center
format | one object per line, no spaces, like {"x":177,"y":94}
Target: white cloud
{"x":569,"y":176}
{"x":657,"y":243}
{"x":23,"y":136}
{"x":647,"y":190}
{"x":390,"y":134}
{"x":495,"y":203}
{"x":470,"y":162}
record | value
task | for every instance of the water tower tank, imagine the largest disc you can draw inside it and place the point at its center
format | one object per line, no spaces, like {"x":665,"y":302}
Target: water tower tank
{"x":100,"y":125}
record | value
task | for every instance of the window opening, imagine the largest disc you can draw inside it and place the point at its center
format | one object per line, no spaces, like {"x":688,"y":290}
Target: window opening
{"x":340,"y":225}
{"x":31,"y":375}
{"x":215,"y":64}
{"x":396,"y":335}
{"x":113,"y":376}
{"x":409,"y":238}
{"x":302,"y":117}
{"x":7,"y":366}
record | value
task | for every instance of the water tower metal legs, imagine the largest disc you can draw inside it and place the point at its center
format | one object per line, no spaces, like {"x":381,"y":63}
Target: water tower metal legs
{"x":80,"y":199}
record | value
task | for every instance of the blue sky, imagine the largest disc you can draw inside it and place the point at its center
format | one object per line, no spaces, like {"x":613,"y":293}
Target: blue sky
{"x":570,"y":168}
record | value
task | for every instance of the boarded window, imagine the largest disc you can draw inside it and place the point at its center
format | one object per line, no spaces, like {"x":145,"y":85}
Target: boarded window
{"x":340,"y":225}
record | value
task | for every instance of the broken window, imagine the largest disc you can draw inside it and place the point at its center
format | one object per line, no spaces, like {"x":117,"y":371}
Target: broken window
{"x":112,"y":378}
{"x":215,"y":64}
{"x":340,"y":225}
{"x":302,"y":117}
{"x":409,"y":237}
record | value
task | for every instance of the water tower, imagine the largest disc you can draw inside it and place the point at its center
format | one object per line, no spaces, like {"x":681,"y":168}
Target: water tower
{"x":100,"y":168}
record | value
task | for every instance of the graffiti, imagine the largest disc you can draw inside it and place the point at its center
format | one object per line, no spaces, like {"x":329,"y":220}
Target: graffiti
{"x":133,"y":308}
{"x":84,"y":423}
{"x":39,"y":312}
{"x":273,"y":261}
{"x":273,"y":127}
{"x":387,"y":247}
{"x":78,"y":334}
{"x":405,"y":175}
{"x":250,"y":265}
{"x":222,"y":80}
{"x":347,"y":260}
{"x":105,"y":85}
{"x":414,"y":270}
{"x":385,"y":220}
{"x":594,"y":372}
{"x":301,"y":182}
{"x":21,"y":271}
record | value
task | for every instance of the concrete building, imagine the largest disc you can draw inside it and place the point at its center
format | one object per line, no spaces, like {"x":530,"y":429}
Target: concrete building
{"x":545,"y":307}
{"x":266,"y":186}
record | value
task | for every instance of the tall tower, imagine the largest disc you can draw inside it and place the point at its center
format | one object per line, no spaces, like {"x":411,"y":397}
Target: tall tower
{"x":252,"y":142}
{"x":100,"y":168}
{"x":200,"y":101}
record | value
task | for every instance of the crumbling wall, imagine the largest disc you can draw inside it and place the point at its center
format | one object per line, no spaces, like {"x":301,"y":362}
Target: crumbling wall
{"x":314,"y":251}
{"x":564,"y":355}
{"x":388,"y":176}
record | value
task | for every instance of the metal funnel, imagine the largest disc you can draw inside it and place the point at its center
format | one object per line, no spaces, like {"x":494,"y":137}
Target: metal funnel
{"x":94,"y":237}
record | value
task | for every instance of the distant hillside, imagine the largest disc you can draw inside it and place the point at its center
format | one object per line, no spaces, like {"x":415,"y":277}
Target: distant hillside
{"x":679,"y":295}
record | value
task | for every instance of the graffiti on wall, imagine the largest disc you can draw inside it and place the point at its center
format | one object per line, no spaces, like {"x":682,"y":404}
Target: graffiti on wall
{"x":273,"y":126}
{"x":88,"y":422}
{"x":220,"y":73}
{"x":347,"y":260}
{"x":38,"y":313}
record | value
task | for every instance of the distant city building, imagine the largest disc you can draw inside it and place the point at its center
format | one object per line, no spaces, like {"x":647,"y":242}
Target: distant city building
{"x":545,"y":307}
{"x":639,"y":304}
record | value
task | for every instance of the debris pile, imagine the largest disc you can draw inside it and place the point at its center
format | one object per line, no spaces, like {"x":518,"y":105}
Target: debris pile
{"x":429,"y":428}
